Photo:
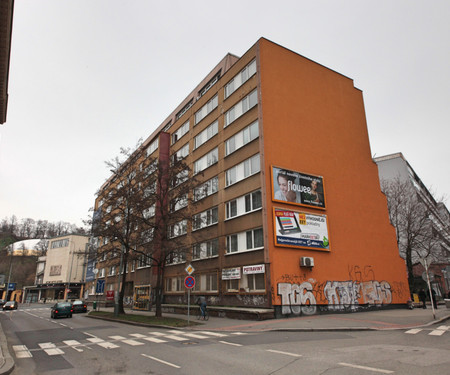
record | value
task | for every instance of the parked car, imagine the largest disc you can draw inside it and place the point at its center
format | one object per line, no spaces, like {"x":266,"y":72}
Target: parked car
{"x":79,"y":306}
{"x":10,"y":305}
{"x":61,"y":309}
{"x":2,"y":302}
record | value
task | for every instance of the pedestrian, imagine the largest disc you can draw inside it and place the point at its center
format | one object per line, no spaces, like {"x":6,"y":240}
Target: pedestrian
{"x":432,"y":296}
{"x":423,"y":298}
{"x":201,"y":301}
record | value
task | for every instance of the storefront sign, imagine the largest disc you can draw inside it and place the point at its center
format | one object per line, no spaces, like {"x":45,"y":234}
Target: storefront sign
{"x":248,"y":270}
{"x":297,"y":188}
{"x":231,"y":273}
{"x":300,"y":230}
{"x":110,"y":295}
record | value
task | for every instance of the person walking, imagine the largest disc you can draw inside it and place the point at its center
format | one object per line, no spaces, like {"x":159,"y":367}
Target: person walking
{"x":423,"y":298}
{"x":201,"y":301}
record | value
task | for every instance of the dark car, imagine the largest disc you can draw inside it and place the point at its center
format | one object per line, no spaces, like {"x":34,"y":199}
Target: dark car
{"x":10,"y":305}
{"x":61,"y":309}
{"x":79,"y":306}
{"x":2,"y":302}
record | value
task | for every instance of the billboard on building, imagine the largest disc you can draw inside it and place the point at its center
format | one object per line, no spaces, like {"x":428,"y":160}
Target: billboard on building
{"x":300,"y":229}
{"x":297,"y":188}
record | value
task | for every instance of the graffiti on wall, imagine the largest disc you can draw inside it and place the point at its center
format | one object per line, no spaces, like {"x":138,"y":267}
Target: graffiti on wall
{"x":306,"y":297}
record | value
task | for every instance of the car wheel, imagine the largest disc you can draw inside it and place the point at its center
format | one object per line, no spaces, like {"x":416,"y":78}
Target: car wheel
{"x":70,"y":315}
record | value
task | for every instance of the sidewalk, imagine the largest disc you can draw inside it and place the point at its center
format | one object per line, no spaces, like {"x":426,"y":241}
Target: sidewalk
{"x":359,"y":321}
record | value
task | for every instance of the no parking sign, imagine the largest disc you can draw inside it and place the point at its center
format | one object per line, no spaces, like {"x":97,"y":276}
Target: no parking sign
{"x":189,"y":282}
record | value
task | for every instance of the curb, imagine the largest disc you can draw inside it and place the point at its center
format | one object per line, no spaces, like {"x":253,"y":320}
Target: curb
{"x":8,"y":363}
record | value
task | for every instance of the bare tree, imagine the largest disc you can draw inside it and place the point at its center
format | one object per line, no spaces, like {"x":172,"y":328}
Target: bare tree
{"x":144,"y":208}
{"x":414,"y":222}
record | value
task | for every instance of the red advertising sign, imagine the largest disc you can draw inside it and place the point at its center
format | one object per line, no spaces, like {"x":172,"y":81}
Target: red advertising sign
{"x":110,"y":295}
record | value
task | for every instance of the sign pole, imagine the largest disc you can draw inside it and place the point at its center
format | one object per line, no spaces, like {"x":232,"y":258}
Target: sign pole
{"x":189,"y":305}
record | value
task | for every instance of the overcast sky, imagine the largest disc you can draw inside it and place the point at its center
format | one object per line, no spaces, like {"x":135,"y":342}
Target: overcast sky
{"x":89,"y":76}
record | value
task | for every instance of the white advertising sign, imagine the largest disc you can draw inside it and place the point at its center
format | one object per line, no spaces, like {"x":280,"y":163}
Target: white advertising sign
{"x":231,"y":273}
{"x":248,"y":270}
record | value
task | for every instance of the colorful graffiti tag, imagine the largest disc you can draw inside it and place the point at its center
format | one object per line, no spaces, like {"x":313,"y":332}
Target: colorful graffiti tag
{"x":336,"y":295}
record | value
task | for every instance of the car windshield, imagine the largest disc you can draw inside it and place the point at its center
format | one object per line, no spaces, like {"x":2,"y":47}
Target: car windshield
{"x":78,"y":303}
{"x":66,"y":304}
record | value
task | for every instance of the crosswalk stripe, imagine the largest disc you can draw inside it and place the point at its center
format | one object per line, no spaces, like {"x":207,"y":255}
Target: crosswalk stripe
{"x":138,"y":335}
{"x":95,"y":340}
{"x":437,"y":332}
{"x":153,"y":339}
{"x":176,"y":338}
{"x":117,"y":337}
{"x":157,"y":333}
{"x":212,"y":334}
{"x":108,"y":345}
{"x":195,"y":336}
{"x":22,"y":351}
{"x":414,"y":331}
{"x":133,"y":342}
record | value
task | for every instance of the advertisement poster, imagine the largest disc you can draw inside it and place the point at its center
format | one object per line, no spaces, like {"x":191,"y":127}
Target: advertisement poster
{"x":301,"y":230}
{"x":297,"y":188}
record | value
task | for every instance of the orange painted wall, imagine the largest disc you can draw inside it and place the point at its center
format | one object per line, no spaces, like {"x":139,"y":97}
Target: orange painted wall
{"x":313,"y":121}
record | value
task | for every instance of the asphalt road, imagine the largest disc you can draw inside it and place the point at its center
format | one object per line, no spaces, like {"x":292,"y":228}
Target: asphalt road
{"x":81,"y":345}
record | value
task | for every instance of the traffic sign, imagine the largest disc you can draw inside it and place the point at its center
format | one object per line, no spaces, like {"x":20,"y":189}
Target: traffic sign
{"x":189,"y":269}
{"x":100,"y":287}
{"x":189,"y":282}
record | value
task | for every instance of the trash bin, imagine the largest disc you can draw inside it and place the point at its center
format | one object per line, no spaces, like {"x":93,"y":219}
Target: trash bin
{"x":94,"y":305}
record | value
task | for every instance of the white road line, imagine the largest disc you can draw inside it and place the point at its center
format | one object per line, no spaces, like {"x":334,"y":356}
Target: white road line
{"x":55,"y":351}
{"x":230,"y":343}
{"x":161,"y":361}
{"x":213,"y":334}
{"x":46,"y":345}
{"x":95,"y":340}
{"x":174,"y":331}
{"x":89,"y":334}
{"x":286,"y":353}
{"x":176,"y":338}
{"x":133,"y":342}
{"x":414,"y":331}
{"x":437,"y":332}
{"x":157,"y":333}
{"x":195,"y":336}
{"x":443,"y":328}
{"x":366,"y":368}
{"x":108,"y":345}
{"x":238,"y":333}
{"x":154,"y":339}
{"x":138,"y":335}
{"x":117,"y":337}
{"x":74,"y":345}
{"x":22,"y":351}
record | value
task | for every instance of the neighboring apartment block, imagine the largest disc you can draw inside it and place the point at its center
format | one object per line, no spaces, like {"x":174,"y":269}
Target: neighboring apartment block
{"x":288,"y":201}
{"x":61,"y":273}
{"x":395,"y":167}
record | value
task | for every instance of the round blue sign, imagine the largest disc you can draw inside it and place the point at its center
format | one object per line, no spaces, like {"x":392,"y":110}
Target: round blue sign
{"x":189,"y":282}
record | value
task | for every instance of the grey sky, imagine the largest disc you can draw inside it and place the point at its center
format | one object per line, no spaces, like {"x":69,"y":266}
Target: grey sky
{"x":90,"y":76}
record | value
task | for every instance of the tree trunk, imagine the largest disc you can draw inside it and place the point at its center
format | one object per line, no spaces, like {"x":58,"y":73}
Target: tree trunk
{"x":158,"y":291}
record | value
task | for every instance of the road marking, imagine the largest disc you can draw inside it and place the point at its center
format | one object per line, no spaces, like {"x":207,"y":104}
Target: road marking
{"x":286,"y":353}
{"x":161,"y":361}
{"x":154,"y":339}
{"x":414,"y":331}
{"x":89,"y":334}
{"x":213,"y":334}
{"x":133,"y":342}
{"x":230,"y":343}
{"x":157,"y":333}
{"x":117,"y":337}
{"x":437,"y":332}
{"x":108,"y":345}
{"x":366,"y":368}
{"x":95,"y":340}
{"x":22,"y":351}
{"x":138,"y":335}
{"x":176,"y":338}
{"x":50,"y":348}
{"x":73,"y":344}
{"x":238,"y":333}
{"x":195,"y":336}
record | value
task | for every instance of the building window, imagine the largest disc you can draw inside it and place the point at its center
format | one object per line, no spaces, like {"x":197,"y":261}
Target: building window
{"x":206,"y":282}
{"x":245,"y":241}
{"x":181,"y":153}
{"x":152,"y":147}
{"x":240,"y":108}
{"x":184,"y":109}
{"x":206,"y":134}
{"x":174,"y":284}
{"x":179,"y":178}
{"x":112,"y":271}
{"x":206,"y":109}
{"x":240,"y":78}
{"x":60,"y":243}
{"x":142,"y":262}
{"x":233,"y":285}
{"x":101,"y":272}
{"x":205,"y":219}
{"x":210,"y":84}
{"x":182,"y":130}
{"x":177,"y":257}
{"x":243,"y":170}
{"x":205,"y":250}
{"x":149,"y":212}
{"x":209,"y":187}
{"x":178,"y":203}
{"x":243,"y":205}
{"x":206,"y":161}
{"x":177,"y":229}
{"x":240,"y":139}
{"x":254,"y":282}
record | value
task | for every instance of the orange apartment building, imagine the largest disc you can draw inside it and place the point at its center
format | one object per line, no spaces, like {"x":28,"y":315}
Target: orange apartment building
{"x":295,"y":216}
